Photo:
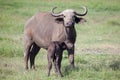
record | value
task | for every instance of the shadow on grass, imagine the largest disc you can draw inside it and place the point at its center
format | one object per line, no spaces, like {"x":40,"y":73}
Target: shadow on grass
{"x":115,"y":65}
{"x":5,"y":73}
{"x":68,"y":70}
{"x":114,"y":23}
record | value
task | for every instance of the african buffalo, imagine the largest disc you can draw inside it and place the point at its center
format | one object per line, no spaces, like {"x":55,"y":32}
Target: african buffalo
{"x":46,"y":27}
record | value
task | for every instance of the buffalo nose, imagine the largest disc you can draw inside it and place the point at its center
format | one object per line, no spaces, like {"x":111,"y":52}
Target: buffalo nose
{"x":69,"y":24}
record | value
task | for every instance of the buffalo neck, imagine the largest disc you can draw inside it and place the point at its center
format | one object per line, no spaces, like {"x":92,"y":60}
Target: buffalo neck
{"x":69,"y":32}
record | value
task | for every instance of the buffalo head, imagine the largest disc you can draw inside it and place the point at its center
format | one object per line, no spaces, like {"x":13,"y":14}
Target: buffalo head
{"x":69,"y":16}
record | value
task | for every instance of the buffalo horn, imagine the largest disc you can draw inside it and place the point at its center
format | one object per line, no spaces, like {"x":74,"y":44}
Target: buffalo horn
{"x":84,"y":13}
{"x":55,"y":14}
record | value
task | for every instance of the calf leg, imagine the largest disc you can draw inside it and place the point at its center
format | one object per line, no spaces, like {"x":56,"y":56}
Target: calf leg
{"x":54,"y":61}
{"x":49,"y":63}
{"x":50,"y":56}
{"x":58,"y":63}
{"x":35,"y":49}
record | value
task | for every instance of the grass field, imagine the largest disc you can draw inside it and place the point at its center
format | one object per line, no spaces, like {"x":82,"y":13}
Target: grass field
{"x":97,"y":51}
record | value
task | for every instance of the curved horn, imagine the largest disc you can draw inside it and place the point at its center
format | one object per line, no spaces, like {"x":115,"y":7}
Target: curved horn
{"x":55,"y":14}
{"x":84,"y":13}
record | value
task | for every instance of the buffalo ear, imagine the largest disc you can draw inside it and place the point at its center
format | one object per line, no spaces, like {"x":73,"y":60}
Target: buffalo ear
{"x":79,"y":20}
{"x":59,"y":20}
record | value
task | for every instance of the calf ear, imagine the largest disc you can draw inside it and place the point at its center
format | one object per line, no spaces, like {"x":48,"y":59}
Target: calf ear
{"x":79,"y":20}
{"x":59,"y":20}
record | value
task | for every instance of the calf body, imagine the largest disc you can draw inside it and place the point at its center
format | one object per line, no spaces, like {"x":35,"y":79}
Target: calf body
{"x":54,"y":55}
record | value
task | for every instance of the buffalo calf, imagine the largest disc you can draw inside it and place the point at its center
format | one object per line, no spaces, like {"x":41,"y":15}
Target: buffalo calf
{"x":54,"y":55}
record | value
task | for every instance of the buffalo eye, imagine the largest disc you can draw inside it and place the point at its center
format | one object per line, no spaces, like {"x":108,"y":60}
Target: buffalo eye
{"x":59,"y":20}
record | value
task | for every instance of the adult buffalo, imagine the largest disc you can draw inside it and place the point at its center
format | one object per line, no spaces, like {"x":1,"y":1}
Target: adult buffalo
{"x":46,"y":27}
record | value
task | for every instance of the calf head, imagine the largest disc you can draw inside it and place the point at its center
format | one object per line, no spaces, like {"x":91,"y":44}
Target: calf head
{"x":69,"y":16}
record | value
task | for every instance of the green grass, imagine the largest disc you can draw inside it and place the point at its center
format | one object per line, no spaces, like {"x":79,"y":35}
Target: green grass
{"x":88,"y":67}
{"x":97,"y":51}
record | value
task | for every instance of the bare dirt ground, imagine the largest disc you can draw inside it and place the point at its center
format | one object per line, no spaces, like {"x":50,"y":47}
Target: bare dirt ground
{"x":102,"y":49}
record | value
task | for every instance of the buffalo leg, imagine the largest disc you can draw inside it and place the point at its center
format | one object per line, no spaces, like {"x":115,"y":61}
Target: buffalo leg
{"x":27,"y":45}
{"x":71,"y":56}
{"x":35,"y":49}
